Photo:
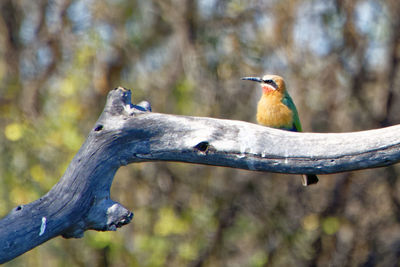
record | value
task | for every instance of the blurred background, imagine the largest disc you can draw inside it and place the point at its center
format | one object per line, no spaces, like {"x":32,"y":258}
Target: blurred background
{"x":340,"y":59}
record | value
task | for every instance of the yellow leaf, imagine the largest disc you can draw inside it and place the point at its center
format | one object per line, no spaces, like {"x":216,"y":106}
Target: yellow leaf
{"x":13,"y":131}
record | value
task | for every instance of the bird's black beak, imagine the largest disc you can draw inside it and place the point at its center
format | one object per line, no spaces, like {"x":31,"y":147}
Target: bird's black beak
{"x":254,"y":79}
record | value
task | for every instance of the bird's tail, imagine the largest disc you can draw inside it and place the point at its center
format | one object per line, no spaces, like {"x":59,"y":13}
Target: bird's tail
{"x":307,"y":179}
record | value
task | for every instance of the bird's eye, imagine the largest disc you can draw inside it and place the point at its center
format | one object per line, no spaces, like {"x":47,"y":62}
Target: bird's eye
{"x":271,"y":82}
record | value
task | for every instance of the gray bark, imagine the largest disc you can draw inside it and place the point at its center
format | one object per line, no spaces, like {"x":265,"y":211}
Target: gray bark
{"x":126,"y":133}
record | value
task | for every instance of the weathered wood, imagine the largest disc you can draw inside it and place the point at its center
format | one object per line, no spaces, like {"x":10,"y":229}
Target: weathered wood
{"x":126,"y":133}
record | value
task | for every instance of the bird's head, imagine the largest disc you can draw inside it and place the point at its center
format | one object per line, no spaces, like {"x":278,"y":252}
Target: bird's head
{"x":269,"y":83}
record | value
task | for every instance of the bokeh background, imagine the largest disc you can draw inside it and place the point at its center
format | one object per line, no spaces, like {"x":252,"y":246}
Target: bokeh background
{"x":340,"y":59}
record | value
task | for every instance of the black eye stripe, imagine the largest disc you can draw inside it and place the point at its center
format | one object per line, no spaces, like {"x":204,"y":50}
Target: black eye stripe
{"x":271,"y":82}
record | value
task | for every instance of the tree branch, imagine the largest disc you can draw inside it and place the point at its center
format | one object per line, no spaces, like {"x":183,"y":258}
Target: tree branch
{"x":127,"y":133}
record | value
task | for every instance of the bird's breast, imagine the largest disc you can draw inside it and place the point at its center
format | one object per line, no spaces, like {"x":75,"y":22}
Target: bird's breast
{"x":272,"y":112}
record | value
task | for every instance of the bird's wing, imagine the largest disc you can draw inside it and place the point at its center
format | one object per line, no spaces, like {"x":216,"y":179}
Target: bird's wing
{"x":287,"y":100}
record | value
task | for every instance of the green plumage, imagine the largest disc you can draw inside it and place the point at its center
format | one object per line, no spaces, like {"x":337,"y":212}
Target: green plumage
{"x":287,"y":101}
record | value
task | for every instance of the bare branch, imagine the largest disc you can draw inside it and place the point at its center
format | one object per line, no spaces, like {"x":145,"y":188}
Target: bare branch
{"x":126,"y":133}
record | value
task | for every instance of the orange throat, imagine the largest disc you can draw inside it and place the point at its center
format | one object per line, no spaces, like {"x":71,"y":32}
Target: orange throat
{"x":267,"y":89}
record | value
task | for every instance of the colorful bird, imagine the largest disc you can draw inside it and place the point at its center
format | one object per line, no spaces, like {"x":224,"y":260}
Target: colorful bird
{"x":276,"y":109}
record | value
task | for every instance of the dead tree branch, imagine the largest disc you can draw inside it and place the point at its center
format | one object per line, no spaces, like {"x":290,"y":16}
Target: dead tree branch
{"x":127,"y":133}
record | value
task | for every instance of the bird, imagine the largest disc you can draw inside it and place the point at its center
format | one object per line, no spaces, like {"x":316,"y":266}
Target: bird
{"x":276,"y":109}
